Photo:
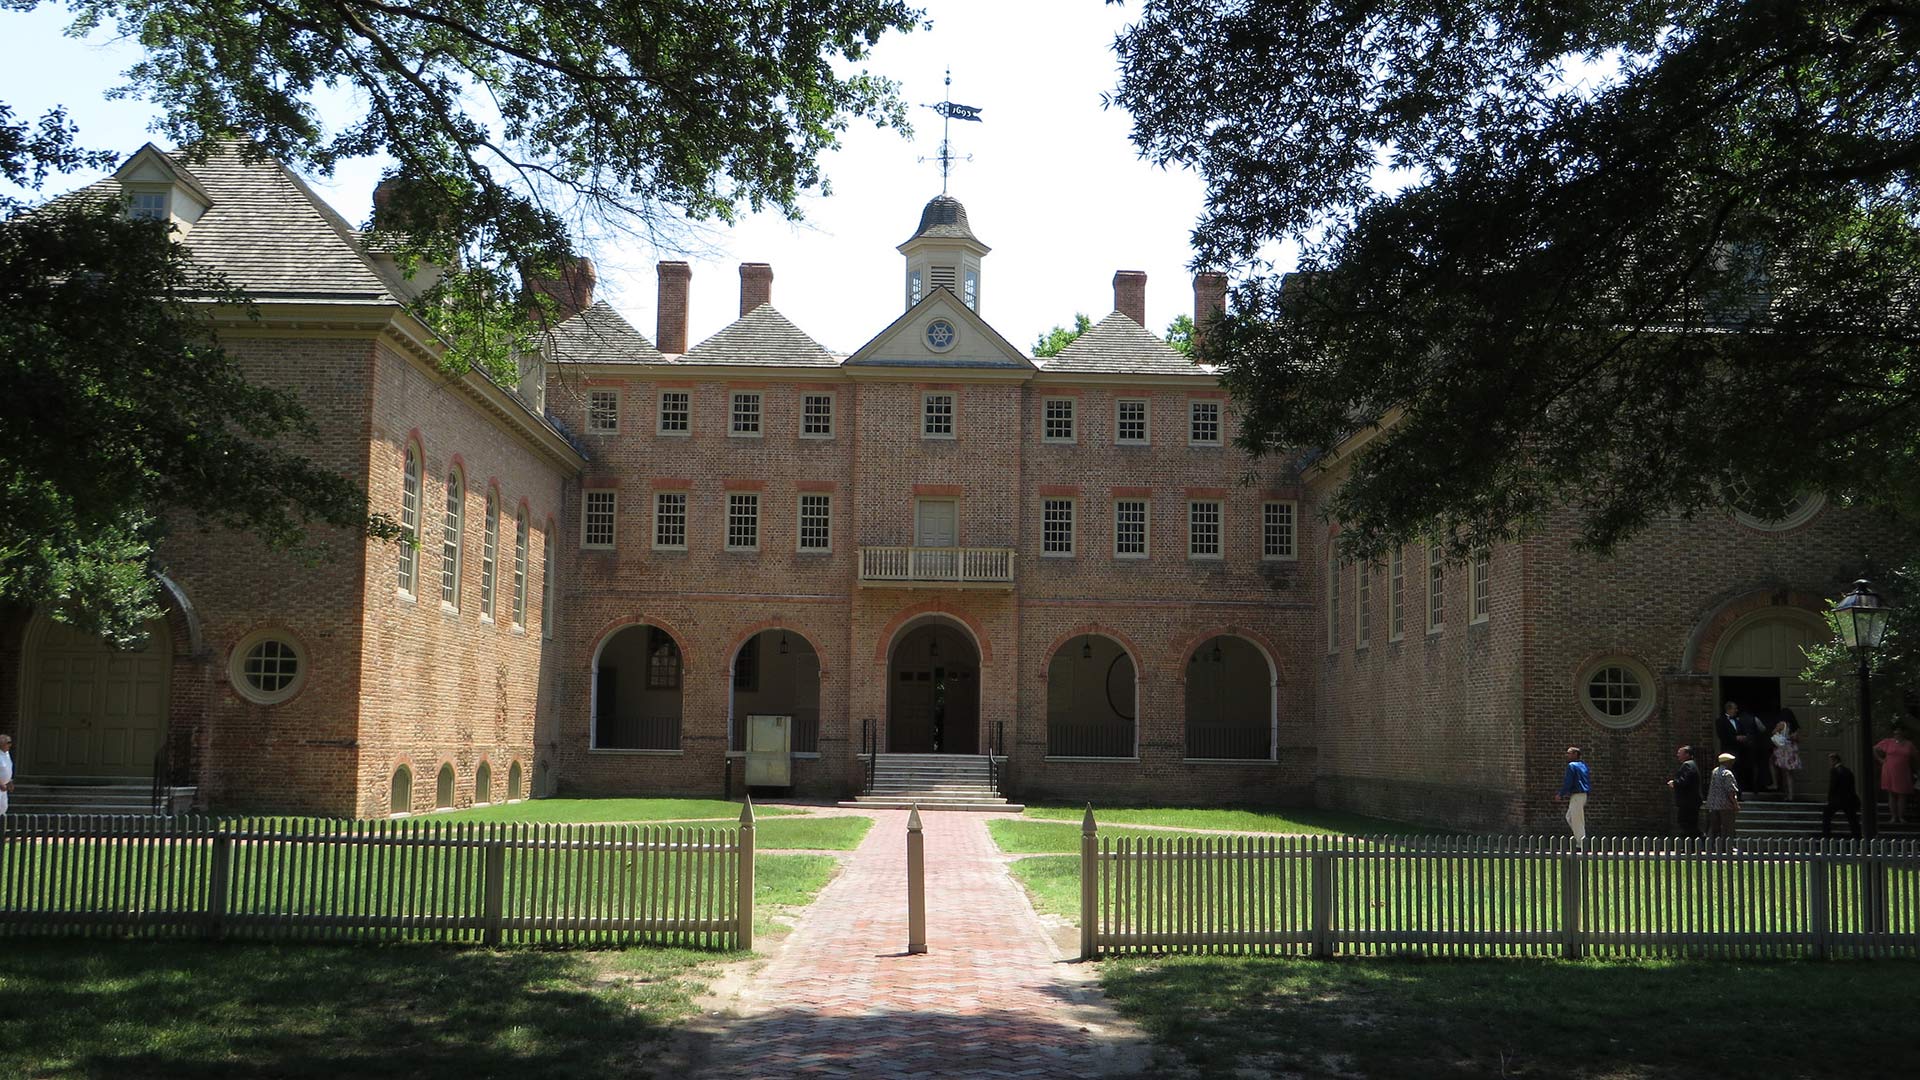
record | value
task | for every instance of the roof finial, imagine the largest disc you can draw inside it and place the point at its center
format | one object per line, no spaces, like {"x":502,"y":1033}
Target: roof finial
{"x":950,"y":112}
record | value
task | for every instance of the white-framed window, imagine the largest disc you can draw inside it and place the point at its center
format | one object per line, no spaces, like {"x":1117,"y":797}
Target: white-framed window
{"x":267,"y":667}
{"x":1396,"y":591}
{"x":596,"y":518}
{"x":1334,"y":612}
{"x":410,"y":520}
{"x":914,"y":287}
{"x":816,"y":522}
{"x":1130,"y":422}
{"x":489,"y":554}
{"x":936,"y":416}
{"x":1616,"y":691}
{"x":521,"y":539}
{"x":1482,"y":586}
{"x":670,"y":520}
{"x":1130,"y":528}
{"x":1056,"y":527}
{"x":816,"y":416}
{"x":746,"y":415}
{"x":603,"y":412}
{"x":1276,"y":530}
{"x":970,"y":289}
{"x":1203,"y":529}
{"x":450,"y":527}
{"x":1363,"y":606}
{"x":743,"y":521}
{"x":549,"y":581}
{"x":1436,"y":588}
{"x":676,"y":412}
{"x":147,"y":206}
{"x":1056,"y":423}
{"x":1203,"y":423}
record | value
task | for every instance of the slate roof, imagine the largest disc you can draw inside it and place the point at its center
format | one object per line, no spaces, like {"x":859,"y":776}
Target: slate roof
{"x":761,"y":336}
{"x":599,"y":335}
{"x":944,"y":218}
{"x":1116,"y":345}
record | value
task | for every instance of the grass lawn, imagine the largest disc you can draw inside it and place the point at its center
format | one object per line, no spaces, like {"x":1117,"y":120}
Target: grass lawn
{"x":1231,"y":1017}
{"x":1017,"y":836}
{"x":1052,"y":882}
{"x":589,"y":810}
{"x":1240,"y":819}
{"x":816,"y":833}
{"x":82,"y":1008}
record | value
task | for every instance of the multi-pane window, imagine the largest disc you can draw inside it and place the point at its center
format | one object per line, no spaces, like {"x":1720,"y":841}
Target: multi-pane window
{"x":603,"y":412}
{"x":596,"y":521}
{"x":520,"y":542}
{"x":816,"y":416}
{"x":1130,"y":528}
{"x":489,"y":554}
{"x":1130,"y":421}
{"x":549,"y":581}
{"x":1436,"y":589}
{"x":1333,"y":600}
{"x":1203,"y":423}
{"x":147,"y":205}
{"x":1203,"y":529}
{"x":410,"y":519}
{"x":743,"y":521}
{"x":1056,"y":526}
{"x":1276,"y":530}
{"x":1482,"y":586}
{"x":1057,"y":422}
{"x":746,"y":415}
{"x":676,"y":412}
{"x":936,"y":417}
{"x":1363,"y":607}
{"x":663,"y":660}
{"x":450,"y":524}
{"x":816,"y":522}
{"x":1396,"y":607}
{"x":670,"y":519}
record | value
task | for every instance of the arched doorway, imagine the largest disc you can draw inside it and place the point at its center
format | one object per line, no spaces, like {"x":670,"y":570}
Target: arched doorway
{"x":1758,"y":664}
{"x":776,"y":673}
{"x":1230,"y":701}
{"x":933,"y":699}
{"x":88,"y":708}
{"x":1090,"y":700}
{"x":636,"y":690}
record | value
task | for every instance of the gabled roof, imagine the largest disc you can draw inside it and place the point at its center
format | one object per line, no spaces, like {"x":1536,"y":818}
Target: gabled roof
{"x":893,"y":347}
{"x":178,"y":173}
{"x":761,"y":336}
{"x":599,"y":335}
{"x":1116,"y":345}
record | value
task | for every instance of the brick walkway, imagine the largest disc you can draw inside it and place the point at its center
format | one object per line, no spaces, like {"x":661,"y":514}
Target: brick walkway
{"x":989,"y":999}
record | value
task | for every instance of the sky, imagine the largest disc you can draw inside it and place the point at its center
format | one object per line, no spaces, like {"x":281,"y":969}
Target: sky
{"x":1054,"y":186}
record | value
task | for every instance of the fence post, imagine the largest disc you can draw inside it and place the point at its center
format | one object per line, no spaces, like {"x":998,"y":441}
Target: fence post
{"x":1570,"y":912}
{"x":217,"y":873}
{"x":1817,"y":902}
{"x":916,"y":884}
{"x":745,"y":900}
{"x":1322,"y":863}
{"x":496,"y":885}
{"x":1089,"y":885}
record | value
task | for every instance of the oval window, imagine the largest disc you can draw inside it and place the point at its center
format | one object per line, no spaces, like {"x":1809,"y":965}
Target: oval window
{"x":268,"y":667}
{"x":1617,"y":692}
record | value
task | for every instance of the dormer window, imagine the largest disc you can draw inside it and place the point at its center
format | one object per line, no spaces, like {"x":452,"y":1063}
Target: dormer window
{"x":147,"y":206}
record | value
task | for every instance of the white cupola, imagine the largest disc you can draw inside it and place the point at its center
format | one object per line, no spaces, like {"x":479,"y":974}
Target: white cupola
{"x":944,"y":253}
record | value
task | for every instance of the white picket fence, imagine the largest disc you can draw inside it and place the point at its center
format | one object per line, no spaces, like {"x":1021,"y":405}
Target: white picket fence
{"x":479,"y":883}
{"x":1498,"y":895}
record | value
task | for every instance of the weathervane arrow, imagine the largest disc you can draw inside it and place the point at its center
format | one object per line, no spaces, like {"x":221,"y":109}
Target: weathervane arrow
{"x":954,"y":111}
{"x":950,"y":112}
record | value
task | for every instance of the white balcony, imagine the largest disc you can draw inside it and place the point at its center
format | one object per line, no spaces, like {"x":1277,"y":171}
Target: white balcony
{"x":936,"y":567}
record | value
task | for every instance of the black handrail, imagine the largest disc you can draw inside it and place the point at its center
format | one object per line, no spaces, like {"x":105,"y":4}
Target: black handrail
{"x":870,"y":745}
{"x":996,"y":745}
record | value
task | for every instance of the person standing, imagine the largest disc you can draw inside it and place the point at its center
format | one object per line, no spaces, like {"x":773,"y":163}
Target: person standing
{"x":1574,"y":786}
{"x":1723,"y":798}
{"x":1786,"y":755}
{"x":1735,"y":738}
{"x":1896,"y":753}
{"x":1686,"y":792}
{"x":6,"y":771}
{"x":1842,"y":798}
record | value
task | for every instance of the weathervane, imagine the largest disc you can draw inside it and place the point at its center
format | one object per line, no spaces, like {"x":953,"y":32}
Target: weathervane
{"x":949,"y":113}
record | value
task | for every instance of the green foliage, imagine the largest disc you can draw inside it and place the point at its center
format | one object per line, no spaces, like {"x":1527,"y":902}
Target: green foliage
{"x":1180,"y":334}
{"x":1622,"y":258}
{"x":1051,"y":342}
{"x":1834,"y":670}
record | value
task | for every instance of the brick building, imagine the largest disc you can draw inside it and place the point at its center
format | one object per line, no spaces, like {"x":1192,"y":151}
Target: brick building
{"x":1064,"y":559}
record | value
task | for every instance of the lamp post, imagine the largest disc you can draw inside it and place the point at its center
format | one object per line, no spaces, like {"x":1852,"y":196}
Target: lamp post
{"x":1861,"y":617}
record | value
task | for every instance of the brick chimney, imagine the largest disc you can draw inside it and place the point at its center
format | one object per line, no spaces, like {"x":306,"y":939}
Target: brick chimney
{"x":670,"y":331}
{"x":571,"y":292}
{"x":1209,"y":302}
{"x":756,"y":286}
{"x":1130,"y":295}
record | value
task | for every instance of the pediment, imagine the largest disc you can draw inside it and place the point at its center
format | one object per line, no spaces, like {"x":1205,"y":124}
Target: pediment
{"x":914,"y":340}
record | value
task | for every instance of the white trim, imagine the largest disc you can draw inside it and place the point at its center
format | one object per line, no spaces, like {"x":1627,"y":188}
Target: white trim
{"x":833,"y":409}
{"x":734,"y":401}
{"x":490,"y":555}
{"x":660,"y":414}
{"x":1146,"y":529}
{"x":1292,"y":552}
{"x":1072,"y":418}
{"x":593,"y":414}
{"x":684,"y":504}
{"x":1146,"y":421}
{"x":1220,"y":530}
{"x":1219,"y":422}
{"x":1479,"y":572}
{"x":1436,"y":597}
{"x":953,"y":414}
{"x":727,"y":536}
{"x":1073,"y":526}
{"x":613,"y":521}
{"x":800,"y":522}
{"x":236,"y":666}
{"x":1396,"y":601}
{"x":1649,"y":691}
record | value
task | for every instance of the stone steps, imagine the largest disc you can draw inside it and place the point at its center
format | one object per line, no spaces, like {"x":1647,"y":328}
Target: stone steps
{"x":109,"y":795}
{"x":932,"y":782}
{"x":1762,"y":816}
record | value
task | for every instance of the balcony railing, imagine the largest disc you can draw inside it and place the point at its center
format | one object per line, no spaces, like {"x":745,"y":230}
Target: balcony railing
{"x":937,"y":567}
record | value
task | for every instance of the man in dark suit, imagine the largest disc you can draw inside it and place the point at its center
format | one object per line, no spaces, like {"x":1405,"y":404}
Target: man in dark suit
{"x":1739,"y":734}
{"x":1842,"y":798}
{"x":1687,"y":793}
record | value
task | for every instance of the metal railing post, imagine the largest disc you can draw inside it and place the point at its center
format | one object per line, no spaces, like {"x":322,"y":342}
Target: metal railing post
{"x":744,"y":902}
{"x":1089,"y":886}
{"x":916,"y":884}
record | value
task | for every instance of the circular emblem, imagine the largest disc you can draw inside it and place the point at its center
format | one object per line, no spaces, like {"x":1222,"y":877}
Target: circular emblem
{"x":941,"y":335}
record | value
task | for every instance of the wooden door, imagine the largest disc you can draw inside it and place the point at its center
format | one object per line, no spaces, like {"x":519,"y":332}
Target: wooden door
{"x":96,"y":710}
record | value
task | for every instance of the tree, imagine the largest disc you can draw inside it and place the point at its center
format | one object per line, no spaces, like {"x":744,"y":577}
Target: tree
{"x":1630,"y":259}
{"x":1180,"y":334}
{"x":1051,"y":342}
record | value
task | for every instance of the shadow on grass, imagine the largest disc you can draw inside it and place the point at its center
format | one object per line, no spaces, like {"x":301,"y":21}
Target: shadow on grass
{"x":1233,"y":1016}
{"x":145,"y":1009}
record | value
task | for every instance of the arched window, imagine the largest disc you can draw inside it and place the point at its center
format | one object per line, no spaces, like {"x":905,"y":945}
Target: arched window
{"x":1230,"y":702}
{"x":450,"y":540}
{"x":520,"y":569}
{"x":636,"y":691}
{"x":1090,"y":699}
{"x":547,"y":581}
{"x":443,"y":788}
{"x":777,"y":673}
{"x":410,"y":519}
{"x":400,"y":801}
{"x":513,"y":780}
{"x":489,"y":554}
{"x":482,"y":784}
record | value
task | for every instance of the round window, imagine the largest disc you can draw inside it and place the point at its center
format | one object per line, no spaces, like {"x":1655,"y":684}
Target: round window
{"x":1617,"y":691}
{"x":268,"y":668}
{"x":941,"y":335}
{"x":1798,"y":511}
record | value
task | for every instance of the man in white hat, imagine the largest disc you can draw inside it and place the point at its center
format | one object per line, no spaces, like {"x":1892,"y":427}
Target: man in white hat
{"x":1723,"y":798}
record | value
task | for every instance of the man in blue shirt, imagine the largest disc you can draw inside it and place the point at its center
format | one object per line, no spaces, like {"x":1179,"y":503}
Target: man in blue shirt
{"x":1573,"y":791}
